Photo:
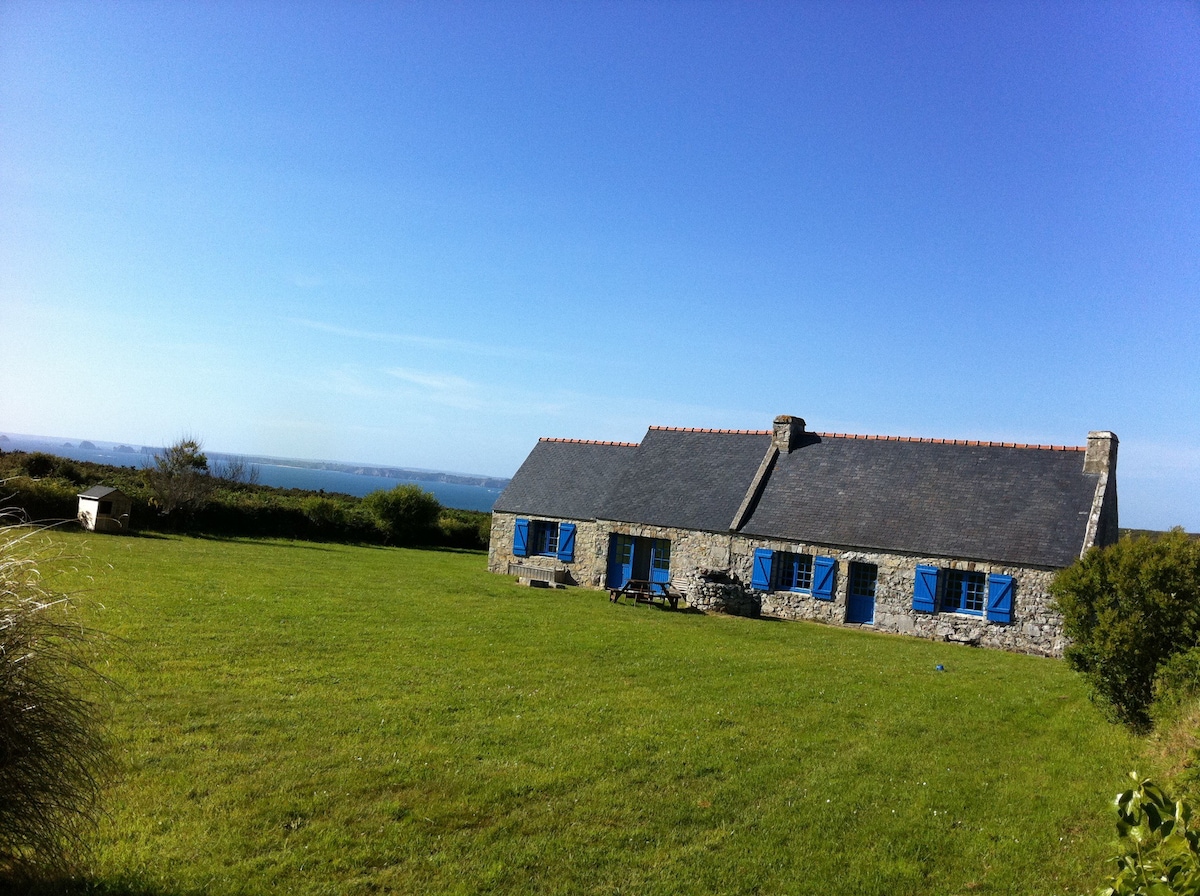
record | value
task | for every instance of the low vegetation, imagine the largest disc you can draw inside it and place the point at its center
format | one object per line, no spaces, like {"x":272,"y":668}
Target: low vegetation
{"x":322,"y":718}
{"x":1132,"y":612}
{"x":179,"y":493}
{"x":52,"y":749}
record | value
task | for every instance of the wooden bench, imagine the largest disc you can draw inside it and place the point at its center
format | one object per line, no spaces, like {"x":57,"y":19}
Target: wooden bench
{"x":528,"y":575}
{"x":646,"y":592}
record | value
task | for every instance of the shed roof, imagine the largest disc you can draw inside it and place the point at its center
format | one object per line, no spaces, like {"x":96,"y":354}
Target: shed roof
{"x":100,"y":492}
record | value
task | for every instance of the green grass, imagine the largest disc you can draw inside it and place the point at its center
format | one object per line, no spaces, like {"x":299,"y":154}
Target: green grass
{"x":304,"y":718}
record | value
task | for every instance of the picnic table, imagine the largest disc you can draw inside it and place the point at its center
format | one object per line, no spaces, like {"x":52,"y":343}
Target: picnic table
{"x":644,"y":591}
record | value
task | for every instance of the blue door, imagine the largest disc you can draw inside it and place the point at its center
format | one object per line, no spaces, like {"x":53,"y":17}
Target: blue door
{"x":860,"y":596}
{"x":660,"y":563}
{"x":620,"y":560}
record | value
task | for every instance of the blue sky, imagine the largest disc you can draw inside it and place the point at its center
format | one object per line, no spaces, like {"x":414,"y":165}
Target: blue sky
{"x":425,"y":234}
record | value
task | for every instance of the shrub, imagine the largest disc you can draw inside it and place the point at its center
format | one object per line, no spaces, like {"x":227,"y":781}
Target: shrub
{"x":1128,"y":608}
{"x":52,"y":752}
{"x":470,"y":529}
{"x":39,"y":464}
{"x":406,"y":515}
{"x":325,"y":514}
{"x":43,"y":499}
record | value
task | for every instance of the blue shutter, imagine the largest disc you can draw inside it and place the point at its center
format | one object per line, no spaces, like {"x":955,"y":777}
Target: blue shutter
{"x":823,"y":568}
{"x":925,"y":589}
{"x":566,"y":542}
{"x":521,"y":539}
{"x":1000,"y":597}
{"x":763,"y":560}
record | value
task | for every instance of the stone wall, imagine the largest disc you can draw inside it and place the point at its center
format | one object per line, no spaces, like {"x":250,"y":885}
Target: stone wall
{"x":591,"y":550}
{"x":1035,"y":627}
{"x":690,"y":550}
{"x":713,"y":572}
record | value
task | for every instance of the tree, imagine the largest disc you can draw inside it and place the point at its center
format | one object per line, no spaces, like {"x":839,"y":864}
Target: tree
{"x":235,"y":471}
{"x":1128,"y":609}
{"x":406,"y":515}
{"x":53,"y":755}
{"x":179,"y":478}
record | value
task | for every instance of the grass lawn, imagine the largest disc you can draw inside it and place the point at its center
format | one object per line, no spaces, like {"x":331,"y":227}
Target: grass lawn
{"x":308,"y":718}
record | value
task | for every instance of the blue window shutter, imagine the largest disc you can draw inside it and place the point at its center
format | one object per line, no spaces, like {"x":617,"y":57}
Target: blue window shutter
{"x":823,"y":568}
{"x":1000,"y":598}
{"x":763,"y":560}
{"x":925,"y":589}
{"x":566,"y":542}
{"x":521,"y":539}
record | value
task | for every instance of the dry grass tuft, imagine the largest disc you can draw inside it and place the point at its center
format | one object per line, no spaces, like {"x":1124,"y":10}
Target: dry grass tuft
{"x":53,"y":755}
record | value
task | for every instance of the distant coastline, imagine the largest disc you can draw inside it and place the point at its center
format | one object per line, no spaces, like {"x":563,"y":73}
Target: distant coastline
{"x":465,"y":491}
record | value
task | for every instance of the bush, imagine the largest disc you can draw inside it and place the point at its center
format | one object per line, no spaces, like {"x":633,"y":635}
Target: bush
{"x":1128,"y":609}
{"x":43,"y":499}
{"x":405,"y":515}
{"x":470,"y":529}
{"x":39,"y":465}
{"x":52,"y":752}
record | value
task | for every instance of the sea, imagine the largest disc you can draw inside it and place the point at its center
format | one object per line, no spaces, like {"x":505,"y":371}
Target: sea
{"x":277,"y":472}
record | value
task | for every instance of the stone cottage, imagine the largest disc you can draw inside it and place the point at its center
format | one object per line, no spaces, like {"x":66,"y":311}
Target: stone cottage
{"x":940,"y":538}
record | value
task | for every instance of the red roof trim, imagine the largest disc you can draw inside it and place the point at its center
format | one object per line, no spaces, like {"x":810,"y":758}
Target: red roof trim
{"x":973,"y":443}
{"x":590,"y":442}
{"x":734,"y":432}
{"x":969,"y":442}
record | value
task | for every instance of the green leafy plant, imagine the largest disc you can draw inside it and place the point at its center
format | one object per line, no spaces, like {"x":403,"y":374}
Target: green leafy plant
{"x":1128,"y":608}
{"x":1162,"y":856}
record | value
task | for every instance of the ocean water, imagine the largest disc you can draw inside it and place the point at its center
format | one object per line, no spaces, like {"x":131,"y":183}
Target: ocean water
{"x":449,"y":494}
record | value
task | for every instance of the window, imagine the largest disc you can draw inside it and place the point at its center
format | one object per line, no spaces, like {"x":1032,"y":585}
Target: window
{"x":963,"y":591}
{"x":660,"y":557}
{"x":862,"y":579}
{"x":793,"y":572}
{"x":105,"y":508}
{"x":774,"y":570}
{"x":544,"y":538}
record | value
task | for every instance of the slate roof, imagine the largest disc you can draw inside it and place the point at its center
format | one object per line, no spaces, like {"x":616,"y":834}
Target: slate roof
{"x":1026,"y":505}
{"x":565,"y":478}
{"x":100,"y":492}
{"x":688,"y":479}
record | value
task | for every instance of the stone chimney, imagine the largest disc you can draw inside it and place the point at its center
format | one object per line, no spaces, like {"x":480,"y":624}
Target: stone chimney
{"x":789,"y":430}
{"x":1101,"y":458}
{"x":1101,"y":454}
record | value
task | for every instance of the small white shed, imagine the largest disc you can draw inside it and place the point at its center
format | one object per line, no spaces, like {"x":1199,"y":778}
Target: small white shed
{"x":104,"y":509}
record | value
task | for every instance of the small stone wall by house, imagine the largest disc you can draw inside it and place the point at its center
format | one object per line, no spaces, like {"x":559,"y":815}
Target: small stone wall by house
{"x":716,"y":591}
